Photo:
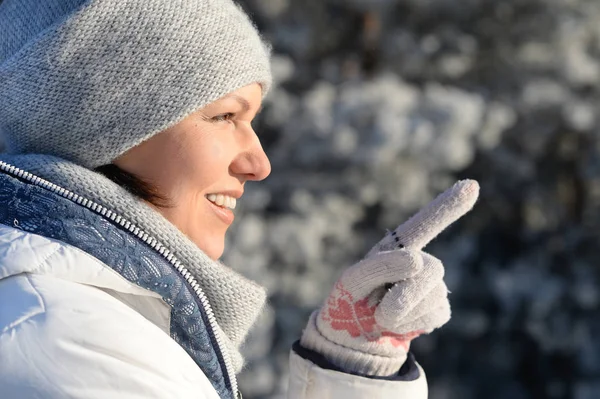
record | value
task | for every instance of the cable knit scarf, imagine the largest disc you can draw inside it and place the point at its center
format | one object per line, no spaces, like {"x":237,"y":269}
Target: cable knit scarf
{"x":236,"y":301}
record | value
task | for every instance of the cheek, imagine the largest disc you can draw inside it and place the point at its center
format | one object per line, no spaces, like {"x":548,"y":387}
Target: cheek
{"x":208,"y":167}
{"x":201,"y":170}
{"x":216,"y":150}
{"x":196,"y":168}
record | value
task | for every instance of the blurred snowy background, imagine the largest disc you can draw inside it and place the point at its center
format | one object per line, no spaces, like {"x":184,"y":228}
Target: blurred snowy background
{"x":382,"y":104}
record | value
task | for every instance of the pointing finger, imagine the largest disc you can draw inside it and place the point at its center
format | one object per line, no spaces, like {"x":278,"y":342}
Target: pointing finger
{"x":431,"y":220}
{"x":434,"y":218}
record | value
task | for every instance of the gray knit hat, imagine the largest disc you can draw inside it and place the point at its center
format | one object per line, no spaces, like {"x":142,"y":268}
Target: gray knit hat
{"x":86,"y":80}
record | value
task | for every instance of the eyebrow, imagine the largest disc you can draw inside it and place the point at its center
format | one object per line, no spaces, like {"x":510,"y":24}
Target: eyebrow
{"x":243,"y":102}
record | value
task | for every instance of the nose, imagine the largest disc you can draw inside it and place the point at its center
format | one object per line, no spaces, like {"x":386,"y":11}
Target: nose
{"x":252,"y":163}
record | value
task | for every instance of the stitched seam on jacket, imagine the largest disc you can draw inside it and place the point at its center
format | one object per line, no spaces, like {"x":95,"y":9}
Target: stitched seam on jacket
{"x":27,"y":276}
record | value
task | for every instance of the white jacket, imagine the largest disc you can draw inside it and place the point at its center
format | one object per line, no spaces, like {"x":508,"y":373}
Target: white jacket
{"x":71,"y":327}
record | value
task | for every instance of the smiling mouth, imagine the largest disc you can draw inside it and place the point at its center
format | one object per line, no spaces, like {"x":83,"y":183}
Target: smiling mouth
{"x":223,"y":201}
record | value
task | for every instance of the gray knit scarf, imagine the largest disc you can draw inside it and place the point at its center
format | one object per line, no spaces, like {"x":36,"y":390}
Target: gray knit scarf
{"x":236,"y":301}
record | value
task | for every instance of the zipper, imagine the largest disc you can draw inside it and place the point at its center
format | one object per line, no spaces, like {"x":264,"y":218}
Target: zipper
{"x":146,"y":238}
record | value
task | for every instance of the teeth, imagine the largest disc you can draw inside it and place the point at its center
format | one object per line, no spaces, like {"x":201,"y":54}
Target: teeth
{"x":222,"y":200}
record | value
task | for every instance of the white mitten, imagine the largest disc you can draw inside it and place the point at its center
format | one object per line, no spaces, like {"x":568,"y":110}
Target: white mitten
{"x":392,"y":296}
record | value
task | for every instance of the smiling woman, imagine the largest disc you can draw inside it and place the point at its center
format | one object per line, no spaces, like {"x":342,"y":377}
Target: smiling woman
{"x":129,"y":142}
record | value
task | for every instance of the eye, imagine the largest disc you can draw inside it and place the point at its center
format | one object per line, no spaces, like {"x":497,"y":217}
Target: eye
{"x":223,"y":117}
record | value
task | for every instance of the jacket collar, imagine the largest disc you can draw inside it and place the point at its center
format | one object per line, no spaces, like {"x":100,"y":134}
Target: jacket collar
{"x":24,"y":252}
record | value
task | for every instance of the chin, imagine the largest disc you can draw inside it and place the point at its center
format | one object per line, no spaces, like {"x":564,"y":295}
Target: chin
{"x":213,"y":248}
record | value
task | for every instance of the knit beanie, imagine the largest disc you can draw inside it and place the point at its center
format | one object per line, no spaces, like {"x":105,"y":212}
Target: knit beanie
{"x":86,"y":80}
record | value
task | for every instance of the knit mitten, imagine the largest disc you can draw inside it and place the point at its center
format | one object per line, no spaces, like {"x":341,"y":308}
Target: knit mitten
{"x":392,"y":296}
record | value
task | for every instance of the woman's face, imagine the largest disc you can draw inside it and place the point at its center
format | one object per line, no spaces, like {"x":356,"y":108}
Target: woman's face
{"x":201,"y":165}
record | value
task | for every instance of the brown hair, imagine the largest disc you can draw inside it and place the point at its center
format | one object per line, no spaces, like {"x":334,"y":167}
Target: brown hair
{"x":134,"y":185}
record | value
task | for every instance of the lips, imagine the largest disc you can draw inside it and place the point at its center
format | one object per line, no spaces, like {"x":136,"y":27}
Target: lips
{"x":222,"y":203}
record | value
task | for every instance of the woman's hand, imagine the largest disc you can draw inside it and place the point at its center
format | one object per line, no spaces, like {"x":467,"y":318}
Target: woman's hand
{"x":392,"y":296}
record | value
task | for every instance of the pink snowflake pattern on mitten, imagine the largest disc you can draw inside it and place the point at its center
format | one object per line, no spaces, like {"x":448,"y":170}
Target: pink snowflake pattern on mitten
{"x":357,"y":318}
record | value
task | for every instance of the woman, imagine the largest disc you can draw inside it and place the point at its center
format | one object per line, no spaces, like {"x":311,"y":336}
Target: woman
{"x":129,"y":141}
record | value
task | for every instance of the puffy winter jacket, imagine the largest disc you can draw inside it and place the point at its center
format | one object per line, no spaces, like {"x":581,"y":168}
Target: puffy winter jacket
{"x":71,"y":326}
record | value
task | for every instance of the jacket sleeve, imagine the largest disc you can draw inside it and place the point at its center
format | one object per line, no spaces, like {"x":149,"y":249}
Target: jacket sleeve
{"x":311,"y":377}
{"x":60,"y":339}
